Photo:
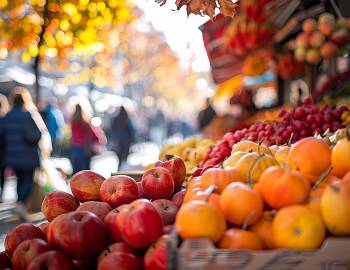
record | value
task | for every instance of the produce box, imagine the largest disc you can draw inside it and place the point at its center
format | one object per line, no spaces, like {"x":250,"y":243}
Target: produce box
{"x":201,"y":254}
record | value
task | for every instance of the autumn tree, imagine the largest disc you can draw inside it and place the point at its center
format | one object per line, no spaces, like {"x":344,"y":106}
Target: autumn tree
{"x":41,"y":29}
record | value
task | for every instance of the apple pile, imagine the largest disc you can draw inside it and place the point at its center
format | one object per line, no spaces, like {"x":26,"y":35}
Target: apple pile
{"x":294,"y":124}
{"x":114,"y":223}
{"x":320,"y":39}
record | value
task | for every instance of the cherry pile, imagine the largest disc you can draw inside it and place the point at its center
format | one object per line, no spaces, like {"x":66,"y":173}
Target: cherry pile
{"x":295,"y":124}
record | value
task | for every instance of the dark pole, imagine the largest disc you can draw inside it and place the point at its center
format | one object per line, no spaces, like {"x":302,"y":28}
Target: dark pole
{"x":37,"y":58}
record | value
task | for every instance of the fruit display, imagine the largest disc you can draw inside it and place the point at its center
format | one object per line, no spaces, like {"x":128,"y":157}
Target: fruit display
{"x":292,"y":203}
{"x":192,"y":151}
{"x":293,"y":124}
{"x":321,"y":39}
{"x":113,"y":223}
{"x":287,"y":67}
{"x":250,"y":29}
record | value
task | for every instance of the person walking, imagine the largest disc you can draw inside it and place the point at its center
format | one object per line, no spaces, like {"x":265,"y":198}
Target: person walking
{"x":84,"y":141}
{"x":22,"y":129}
{"x":122,"y":134}
{"x":4,"y":107}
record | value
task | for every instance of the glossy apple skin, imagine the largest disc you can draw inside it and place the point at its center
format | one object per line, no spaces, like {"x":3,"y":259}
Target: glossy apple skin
{"x":118,"y":190}
{"x":51,"y":260}
{"x":57,"y":203}
{"x":100,"y":209}
{"x":157,"y":183}
{"x":156,"y":256}
{"x":17,"y":235}
{"x":140,"y":223}
{"x":112,"y":225}
{"x":5,"y":261}
{"x":141,"y":193}
{"x":167,"y":209}
{"x":85,"y":186}
{"x":43,"y":227}
{"x":27,"y":251}
{"x":178,"y":198}
{"x":119,"y":247}
{"x":176,"y":166}
{"x":119,"y":260}
{"x":79,"y":234}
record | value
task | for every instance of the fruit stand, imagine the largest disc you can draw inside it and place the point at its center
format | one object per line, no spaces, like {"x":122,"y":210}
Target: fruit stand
{"x":273,"y":193}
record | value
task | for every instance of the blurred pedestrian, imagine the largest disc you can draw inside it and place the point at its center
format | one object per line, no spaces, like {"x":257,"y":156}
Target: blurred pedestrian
{"x":85,"y":140}
{"x":206,"y":115}
{"x":22,"y":130}
{"x":55,"y":123}
{"x":4,"y":107}
{"x":122,"y":134}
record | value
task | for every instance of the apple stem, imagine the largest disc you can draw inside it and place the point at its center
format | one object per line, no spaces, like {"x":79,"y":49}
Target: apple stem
{"x":323,"y":177}
{"x":246,"y":221}
{"x":250,"y":180}
{"x":290,"y":139}
{"x":208,"y":191}
{"x":168,"y":157}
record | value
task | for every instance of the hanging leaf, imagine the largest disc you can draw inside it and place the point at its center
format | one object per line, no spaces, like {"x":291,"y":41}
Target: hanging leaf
{"x":205,"y":7}
{"x":227,"y":7}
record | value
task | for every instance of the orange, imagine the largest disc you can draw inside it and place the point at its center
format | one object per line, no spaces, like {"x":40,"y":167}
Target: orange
{"x":241,"y":204}
{"x":335,"y":207}
{"x":311,"y":156}
{"x":314,"y":200}
{"x":220,"y":177}
{"x":280,"y":187}
{"x":240,"y":239}
{"x":298,"y":227}
{"x":341,"y":157}
{"x":198,"y":219}
{"x":263,"y":229}
{"x":190,"y":193}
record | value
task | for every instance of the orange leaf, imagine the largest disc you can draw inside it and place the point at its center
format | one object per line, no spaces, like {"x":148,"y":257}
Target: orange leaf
{"x":227,"y":7}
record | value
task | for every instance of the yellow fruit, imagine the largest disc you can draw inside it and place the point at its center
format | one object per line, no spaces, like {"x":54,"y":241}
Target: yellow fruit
{"x":233,"y":159}
{"x":335,"y":207}
{"x":298,"y":227}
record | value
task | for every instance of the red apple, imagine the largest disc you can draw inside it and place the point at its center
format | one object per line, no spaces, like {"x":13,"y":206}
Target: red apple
{"x":118,"y":190}
{"x":157,"y":183}
{"x":56,"y":203}
{"x":167,"y":209}
{"x":168,"y":229}
{"x":79,"y":234}
{"x":178,"y":198}
{"x":141,"y":193}
{"x":340,"y":36}
{"x":120,"y":247}
{"x":43,"y":227}
{"x":156,"y":256}
{"x":17,"y":235}
{"x":121,"y":261}
{"x":112,"y":224}
{"x":177,"y":168}
{"x":100,"y":209}
{"x":140,"y":223}
{"x":5,"y":261}
{"x":27,"y":251}
{"x":329,"y":49}
{"x":85,"y":186}
{"x":51,"y":260}
{"x":88,"y":264}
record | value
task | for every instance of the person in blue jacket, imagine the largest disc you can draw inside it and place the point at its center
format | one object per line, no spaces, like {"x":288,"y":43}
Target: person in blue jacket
{"x":4,"y":107}
{"x":20,"y":154}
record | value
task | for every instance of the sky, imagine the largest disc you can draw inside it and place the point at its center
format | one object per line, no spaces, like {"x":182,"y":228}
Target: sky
{"x":181,"y":32}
